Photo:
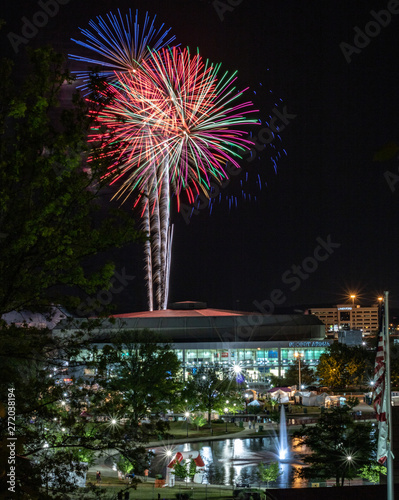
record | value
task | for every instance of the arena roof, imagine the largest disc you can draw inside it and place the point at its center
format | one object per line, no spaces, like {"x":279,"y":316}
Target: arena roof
{"x":192,"y":322}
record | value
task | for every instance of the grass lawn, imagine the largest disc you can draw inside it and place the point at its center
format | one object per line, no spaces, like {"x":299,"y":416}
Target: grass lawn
{"x":147,"y":491}
{"x":179,"y":430}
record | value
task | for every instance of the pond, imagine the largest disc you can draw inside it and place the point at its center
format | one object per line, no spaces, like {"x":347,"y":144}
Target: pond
{"x":233,"y":461}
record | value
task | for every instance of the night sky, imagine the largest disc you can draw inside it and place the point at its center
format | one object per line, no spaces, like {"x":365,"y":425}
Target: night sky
{"x":330,"y":182}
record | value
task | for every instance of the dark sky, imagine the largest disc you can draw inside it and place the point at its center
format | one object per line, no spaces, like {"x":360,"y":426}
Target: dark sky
{"x":326,"y":186}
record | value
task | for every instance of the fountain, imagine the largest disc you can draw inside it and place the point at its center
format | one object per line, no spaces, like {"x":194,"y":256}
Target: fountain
{"x":283,"y":448}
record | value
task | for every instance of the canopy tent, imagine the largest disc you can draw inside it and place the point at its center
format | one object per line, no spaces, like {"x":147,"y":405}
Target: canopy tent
{"x":280,"y":395}
{"x":364,"y":408}
{"x":309,"y":398}
{"x":323,"y":399}
{"x":255,"y":402}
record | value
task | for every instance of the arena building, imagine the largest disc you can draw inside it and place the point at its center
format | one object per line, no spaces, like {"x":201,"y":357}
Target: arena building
{"x":259,"y":344}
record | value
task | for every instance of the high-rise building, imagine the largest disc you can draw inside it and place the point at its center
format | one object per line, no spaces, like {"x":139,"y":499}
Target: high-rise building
{"x":348,"y":317}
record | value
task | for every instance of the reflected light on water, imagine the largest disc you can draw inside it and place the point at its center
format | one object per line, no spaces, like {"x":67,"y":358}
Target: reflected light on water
{"x":236,"y":460}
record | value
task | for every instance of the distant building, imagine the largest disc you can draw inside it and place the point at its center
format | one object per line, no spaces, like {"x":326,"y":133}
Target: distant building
{"x":350,"y":337}
{"x":348,"y":317}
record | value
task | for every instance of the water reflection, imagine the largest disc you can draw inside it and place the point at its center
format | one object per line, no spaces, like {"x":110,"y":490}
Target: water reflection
{"x":235,"y":460}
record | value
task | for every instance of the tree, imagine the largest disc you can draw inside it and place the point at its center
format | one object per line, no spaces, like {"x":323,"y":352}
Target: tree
{"x":199,"y":421}
{"x":50,"y":220}
{"x":209,"y":390}
{"x":52,"y":439}
{"x":138,"y":375}
{"x":63,"y":420}
{"x":342,"y":366}
{"x":185,"y":470}
{"x":339,"y":446}
{"x":291,"y":376}
{"x":372,"y":472}
{"x":268,"y":473}
{"x":124,"y":465}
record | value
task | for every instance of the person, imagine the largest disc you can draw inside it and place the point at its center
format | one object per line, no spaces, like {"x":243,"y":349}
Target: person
{"x":146,"y":471}
{"x":98,"y":477}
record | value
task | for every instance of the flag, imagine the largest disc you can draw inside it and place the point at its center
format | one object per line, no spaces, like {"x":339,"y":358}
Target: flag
{"x":379,"y":400}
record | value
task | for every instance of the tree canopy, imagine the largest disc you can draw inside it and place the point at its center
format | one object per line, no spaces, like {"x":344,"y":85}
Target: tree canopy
{"x":49,"y":194}
{"x":209,"y":389}
{"x":140,"y":372}
{"x":61,"y":420}
{"x":342,"y":366}
{"x":339,"y":446}
{"x":291,"y":376}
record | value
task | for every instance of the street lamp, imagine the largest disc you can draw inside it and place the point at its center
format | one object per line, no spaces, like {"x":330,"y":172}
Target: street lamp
{"x":225,"y":411}
{"x":353,"y":299}
{"x":187,"y":415}
{"x":349,"y":459}
{"x":298,"y":355}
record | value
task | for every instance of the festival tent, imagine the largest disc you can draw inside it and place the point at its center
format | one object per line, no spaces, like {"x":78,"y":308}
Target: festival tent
{"x":280,"y":395}
{"x":309,"y":398}
{"x":323,"y":399}
{"x":364,"y":408}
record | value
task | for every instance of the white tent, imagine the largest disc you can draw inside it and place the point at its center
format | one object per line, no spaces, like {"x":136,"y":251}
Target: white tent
{"x":255,"y":402}
{"x":309,"y":399}
{"x":280,"y":396}
{"x":323,"y":399}
{"x":364,"y":408}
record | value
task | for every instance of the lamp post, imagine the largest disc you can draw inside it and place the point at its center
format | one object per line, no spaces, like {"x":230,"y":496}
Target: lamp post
{"x":298,"y":355}
{"x":380,"y":302}
{"x":225,"y":411}
{"x":187,"y":415}
{"x":349,"y":459}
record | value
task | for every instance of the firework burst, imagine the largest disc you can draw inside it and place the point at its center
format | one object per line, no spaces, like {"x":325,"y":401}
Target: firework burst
{"x":173,"y":124}
{"x":178,"y":109}
{"x":120,"y":42}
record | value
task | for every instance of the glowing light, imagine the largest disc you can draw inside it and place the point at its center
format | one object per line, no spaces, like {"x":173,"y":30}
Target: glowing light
{"x":173,"y":125}
{"x":119,"y":43}
{"x":237,"y":368}
{"x":176,"y":109}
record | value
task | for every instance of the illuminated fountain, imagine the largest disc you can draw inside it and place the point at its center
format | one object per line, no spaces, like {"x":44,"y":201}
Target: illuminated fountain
{"x":283,"y":448}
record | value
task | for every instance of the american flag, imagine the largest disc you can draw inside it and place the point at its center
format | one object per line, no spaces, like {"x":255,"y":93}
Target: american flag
{"x":379,"y":400}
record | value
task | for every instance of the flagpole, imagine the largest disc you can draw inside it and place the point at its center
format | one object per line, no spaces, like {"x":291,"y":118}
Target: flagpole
{"x":390,"y":491}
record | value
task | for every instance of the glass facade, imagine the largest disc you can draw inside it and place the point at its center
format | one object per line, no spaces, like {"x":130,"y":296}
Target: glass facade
{"x":257,"y":362}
